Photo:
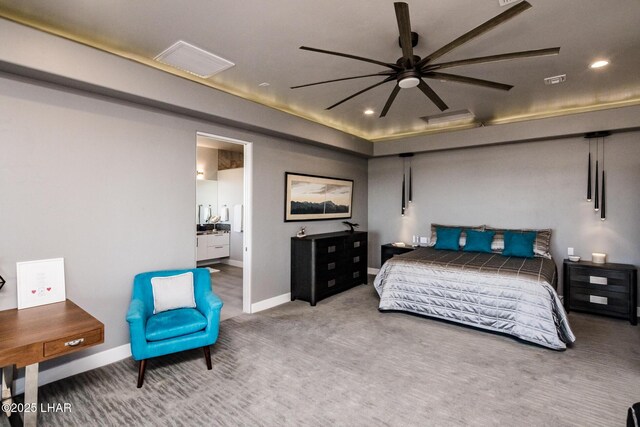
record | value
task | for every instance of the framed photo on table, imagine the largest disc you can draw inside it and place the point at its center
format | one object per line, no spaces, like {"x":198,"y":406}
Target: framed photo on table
{"x":314,"y":198}
{"x":40,"y":282}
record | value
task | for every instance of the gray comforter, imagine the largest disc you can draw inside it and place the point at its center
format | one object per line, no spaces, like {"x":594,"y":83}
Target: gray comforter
{"x":512,"y":295}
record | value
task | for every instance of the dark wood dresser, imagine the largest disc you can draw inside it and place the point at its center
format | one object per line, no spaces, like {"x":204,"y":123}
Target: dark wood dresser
{"x":608,"y":289}
{"x":325,"y":264}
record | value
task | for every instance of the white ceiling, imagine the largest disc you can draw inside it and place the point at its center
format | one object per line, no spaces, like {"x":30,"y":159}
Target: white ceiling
{"x":262,"y":38}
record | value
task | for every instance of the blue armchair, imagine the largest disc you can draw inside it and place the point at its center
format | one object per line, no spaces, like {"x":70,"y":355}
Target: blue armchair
{"x":176,"y":330}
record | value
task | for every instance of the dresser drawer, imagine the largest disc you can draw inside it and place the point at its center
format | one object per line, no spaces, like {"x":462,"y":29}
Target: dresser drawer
{"x":72,"y":343}
{"x":329,"y":246}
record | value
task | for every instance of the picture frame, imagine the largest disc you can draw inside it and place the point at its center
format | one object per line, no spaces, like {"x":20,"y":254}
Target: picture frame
{"x":317,"y":198}
{"x":40,"y":282}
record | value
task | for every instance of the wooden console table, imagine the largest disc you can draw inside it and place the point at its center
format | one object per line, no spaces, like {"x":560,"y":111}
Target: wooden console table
{"x":33,"y":335}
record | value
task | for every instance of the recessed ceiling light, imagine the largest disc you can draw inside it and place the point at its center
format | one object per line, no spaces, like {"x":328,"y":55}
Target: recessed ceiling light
{"x":599,"y":64}
{"x":369,"y":111}
{"x":264,"y":84}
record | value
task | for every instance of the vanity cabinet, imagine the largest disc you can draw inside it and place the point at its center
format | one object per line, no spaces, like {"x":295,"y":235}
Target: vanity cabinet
{"x":325,"y":264}
{"x":211,"y":246}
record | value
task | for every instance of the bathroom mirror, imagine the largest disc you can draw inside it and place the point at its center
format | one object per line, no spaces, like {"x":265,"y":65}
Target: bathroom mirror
{"x":206,"y":200}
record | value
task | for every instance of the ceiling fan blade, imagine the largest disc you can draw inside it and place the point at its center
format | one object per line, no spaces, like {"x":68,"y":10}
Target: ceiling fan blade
{"x":404,"y":27}
{"x":479,"y":30}
{"x":384,"y":73}
{"x":388,"y":79}
{"x":390,"y":100}
{"x":432,"y":95}
{"x":468,"y":80}
{"x":494,"y":58}
{"x":358,"y":58}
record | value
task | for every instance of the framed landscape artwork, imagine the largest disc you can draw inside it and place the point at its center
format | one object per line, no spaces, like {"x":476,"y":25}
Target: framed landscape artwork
{"x":314,"y":198}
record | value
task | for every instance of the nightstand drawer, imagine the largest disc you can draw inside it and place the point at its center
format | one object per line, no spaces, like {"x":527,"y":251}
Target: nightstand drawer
{"x":605,"y":304}
{"x":592,"y":276}
{"x":598,"y":285}
{"x":72,"y":343}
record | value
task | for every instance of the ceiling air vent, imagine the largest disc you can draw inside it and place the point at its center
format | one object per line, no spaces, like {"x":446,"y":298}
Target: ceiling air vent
{"x":453,"y":116}
{"x":506,"y":2}
{"x":192,"y":59}
{"x":555,"y":79}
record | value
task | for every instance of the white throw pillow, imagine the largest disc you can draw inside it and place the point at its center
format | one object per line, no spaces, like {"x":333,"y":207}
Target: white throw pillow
{"x":173,"y":292}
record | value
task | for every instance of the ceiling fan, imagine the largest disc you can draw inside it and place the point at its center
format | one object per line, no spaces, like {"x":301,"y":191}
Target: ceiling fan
{"x":410,"y":70}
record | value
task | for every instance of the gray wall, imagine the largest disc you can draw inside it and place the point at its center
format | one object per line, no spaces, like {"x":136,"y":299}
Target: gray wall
{"x":111,"y":188}
{"x":268,"y":212}
{"x":534,"y":185}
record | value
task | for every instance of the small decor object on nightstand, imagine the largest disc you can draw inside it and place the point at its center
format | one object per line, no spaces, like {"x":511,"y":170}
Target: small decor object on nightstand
{"x":302,"y":232}
{"x":598,"y":258}
{"x":574,"y":258}
{"x":40,"y":282}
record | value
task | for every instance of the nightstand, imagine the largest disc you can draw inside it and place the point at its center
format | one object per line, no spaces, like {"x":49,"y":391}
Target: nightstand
{"x":388,"y":251}
{"x":607,"y":289}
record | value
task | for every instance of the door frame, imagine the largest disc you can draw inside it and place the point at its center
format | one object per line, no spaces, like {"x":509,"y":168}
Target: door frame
{"x":247,"y":232}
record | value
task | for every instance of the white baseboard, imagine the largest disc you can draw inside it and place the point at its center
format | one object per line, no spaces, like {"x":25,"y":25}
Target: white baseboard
{"x":373,"y":271}
{"x":232,"y":262}
{"x":271,"y":302}
{"x":78,"y":366}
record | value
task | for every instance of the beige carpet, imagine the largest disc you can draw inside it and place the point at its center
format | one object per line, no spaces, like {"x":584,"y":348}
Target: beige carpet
{"x":344,"y":363}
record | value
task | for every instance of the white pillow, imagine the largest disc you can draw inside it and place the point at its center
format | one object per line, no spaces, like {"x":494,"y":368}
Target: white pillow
{"x":173,"y":292}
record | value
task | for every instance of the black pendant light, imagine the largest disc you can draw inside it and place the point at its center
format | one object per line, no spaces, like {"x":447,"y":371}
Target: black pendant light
{"x":600,"y":191}
{"x":404,"y":156}
{"x":404,"y":206}
{"x":589,"y":174}
{"x":596,"y":204}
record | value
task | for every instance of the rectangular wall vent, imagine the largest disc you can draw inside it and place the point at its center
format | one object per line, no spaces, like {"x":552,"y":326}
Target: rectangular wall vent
{"x":453,"y":116}
{"x":192,"y":59}
{"x":506,"y":2}
{"x":555,"y":79}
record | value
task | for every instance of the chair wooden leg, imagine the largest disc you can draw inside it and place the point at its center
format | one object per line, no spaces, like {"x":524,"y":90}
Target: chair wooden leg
{"x":141,"y":368}
{"x":207,"y":356}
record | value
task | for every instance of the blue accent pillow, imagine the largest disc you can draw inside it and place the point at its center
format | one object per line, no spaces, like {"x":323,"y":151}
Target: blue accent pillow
{"x":479,"y":241}
{"x":448,"y":238}
{"x":519,"y":244}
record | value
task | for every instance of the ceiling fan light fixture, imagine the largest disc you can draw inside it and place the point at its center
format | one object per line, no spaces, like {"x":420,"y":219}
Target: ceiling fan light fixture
{"x":409,"y":82}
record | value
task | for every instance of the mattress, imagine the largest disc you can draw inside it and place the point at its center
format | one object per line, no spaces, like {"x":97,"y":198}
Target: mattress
{"x":511,"y":295}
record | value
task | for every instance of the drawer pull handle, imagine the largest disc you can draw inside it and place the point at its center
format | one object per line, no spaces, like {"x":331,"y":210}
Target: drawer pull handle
{"x":331,"y":266}
{"x":331,"y":249}
{"x":598,"y":300}
{"x":74,"y":343}
{"x":356,"y":274}
{"x":331,"y":283}
{"x":356,"y":259}
{"x":597,"y":280}
{"x":219,"y":247}
{"x":356,"y":244}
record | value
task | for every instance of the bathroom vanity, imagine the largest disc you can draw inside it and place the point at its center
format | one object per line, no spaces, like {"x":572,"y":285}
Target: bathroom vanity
{"x":212,"y":244}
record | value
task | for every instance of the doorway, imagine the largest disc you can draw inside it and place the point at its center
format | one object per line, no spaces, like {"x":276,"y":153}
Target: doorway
{"x":223,"y":218}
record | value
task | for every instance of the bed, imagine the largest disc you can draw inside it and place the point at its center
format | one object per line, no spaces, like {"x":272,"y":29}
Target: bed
{"x":511,"y":295}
